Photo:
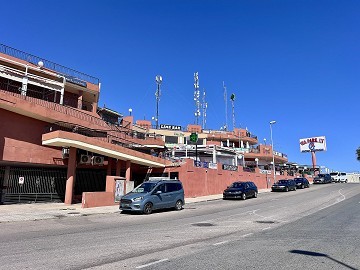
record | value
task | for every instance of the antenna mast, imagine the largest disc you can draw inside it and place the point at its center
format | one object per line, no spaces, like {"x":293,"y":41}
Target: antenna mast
{"x":226,"y":109}
{"x":204,"y":107}
{"x":197,"y":97}
{"x":232,"y":98}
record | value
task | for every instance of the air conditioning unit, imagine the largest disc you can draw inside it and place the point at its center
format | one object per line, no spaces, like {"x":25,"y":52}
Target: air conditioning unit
{"x":96,"y":160}
{"x":85,"y":159}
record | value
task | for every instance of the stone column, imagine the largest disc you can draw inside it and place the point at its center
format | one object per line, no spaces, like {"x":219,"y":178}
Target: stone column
{"x":71,"y":174}
{"x":118,"y":167}
{"x":128,"y":170}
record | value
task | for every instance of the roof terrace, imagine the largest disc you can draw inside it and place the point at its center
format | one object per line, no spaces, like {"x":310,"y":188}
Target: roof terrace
{"x":68,"y":73}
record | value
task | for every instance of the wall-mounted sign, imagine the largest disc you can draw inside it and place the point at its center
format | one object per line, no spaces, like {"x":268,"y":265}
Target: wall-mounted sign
{"x":170,"y":127}
{"x":313,"y":144}
{"x":205,"y":164}
{"x":229,"y":167}
{"x":21,"y":180}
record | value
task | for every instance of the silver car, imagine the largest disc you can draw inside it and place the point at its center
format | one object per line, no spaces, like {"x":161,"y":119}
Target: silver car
{"x":153,"y":195}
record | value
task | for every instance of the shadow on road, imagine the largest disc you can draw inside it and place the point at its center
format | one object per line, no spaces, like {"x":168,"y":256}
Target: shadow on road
{"x":317,"y":254}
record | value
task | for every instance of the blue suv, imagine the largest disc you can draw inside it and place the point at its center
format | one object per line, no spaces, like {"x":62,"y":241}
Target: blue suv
{"x":154,"y":194}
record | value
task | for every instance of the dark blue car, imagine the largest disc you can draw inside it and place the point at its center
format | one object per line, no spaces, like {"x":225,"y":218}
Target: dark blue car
{"x":284,"y":185}
{"x":302,"y":182}
{"x":240,"y":190}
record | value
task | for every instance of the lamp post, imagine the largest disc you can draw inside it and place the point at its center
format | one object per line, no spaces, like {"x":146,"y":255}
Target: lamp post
{"x":130,"y":111}
{"x":272,"y":146}
{"x":158,"y":80}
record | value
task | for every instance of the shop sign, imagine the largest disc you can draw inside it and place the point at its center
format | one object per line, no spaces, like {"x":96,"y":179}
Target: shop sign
{"x":227,"y":167}
{"x":170,"y":127}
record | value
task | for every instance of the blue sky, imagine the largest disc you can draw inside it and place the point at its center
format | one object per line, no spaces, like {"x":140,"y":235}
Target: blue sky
{"x":296,"y":62}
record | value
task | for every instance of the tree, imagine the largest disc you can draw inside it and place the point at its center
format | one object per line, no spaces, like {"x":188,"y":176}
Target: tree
{"x":358,"y":153}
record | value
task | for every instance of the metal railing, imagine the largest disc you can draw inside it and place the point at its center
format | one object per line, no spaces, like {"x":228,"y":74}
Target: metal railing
{"x":47,"y":64}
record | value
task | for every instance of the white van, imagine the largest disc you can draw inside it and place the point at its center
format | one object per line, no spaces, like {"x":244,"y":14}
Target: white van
{"x":339,"y":177}
{"x":343,"y":177}
{"x":335,"y":177}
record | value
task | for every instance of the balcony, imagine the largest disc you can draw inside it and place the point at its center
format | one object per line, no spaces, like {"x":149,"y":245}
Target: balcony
{"x":71,"y":75}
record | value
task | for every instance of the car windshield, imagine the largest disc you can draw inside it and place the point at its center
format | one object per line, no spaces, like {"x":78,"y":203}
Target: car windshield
{"x":282,"y":181}
{"x":334,"y":173}
{"x":144,"y":187}
{"x":237,"y":185}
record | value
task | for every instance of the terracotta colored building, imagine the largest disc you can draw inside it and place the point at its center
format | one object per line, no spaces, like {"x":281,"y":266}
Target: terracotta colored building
{"x":56,"y":144}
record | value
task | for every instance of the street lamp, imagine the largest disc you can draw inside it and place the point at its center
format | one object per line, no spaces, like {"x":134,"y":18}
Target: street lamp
{"x":158,"y":80}
{"x":272,"y":146}
{"x":265,"y":141}
{"x":130,"y":111}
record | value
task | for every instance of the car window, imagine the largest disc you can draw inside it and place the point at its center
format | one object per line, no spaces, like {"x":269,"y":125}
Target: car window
{"x":170,"y":187}
{"x":161,"y":188}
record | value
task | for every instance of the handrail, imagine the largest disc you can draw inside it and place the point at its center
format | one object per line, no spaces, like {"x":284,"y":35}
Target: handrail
{"x":47,"y":64}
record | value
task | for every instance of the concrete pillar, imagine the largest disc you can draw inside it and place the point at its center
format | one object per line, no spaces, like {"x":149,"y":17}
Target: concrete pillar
{"x":242,"y":144}
{"x":118,"y":167}
{"x":227,"y":142}
{"x":94,"y":107}
{"x":128,"y":170}
{"x":108,"y":172}
{"x":71,"y":173}
{"x":313,"y":159}
{"x":80,"y":100}
{"x":214,"y":155}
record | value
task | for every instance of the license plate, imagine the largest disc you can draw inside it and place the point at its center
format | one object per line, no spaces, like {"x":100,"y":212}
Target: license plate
{"x":125,"y":205}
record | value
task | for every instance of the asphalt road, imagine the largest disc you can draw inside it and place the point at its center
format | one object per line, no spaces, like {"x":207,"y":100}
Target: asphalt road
{"x":316,"y":228}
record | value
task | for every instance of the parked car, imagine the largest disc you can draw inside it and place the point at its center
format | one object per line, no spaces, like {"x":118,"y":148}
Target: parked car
{"x":153,"y":195}
{"x":322,"y":178}
{"x":240,"y":190}
{"x":335,"y":176}
{"x":301,"y":182}
{"x":284,"y":185}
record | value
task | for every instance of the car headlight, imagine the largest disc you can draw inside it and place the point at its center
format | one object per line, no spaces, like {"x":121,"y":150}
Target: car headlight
{"x":138,"y":199}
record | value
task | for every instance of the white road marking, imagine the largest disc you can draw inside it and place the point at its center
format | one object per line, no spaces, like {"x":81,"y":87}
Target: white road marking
{"x":266,"y":228}
{"x":220,"y":243}
{"x":337,"y":201}
{"x":152,"y":263}
{"x":248,"y":234}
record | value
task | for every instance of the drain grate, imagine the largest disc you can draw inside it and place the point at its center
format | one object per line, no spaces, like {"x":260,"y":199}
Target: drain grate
{"x":265,"y":221}
{"x":203,"y":224}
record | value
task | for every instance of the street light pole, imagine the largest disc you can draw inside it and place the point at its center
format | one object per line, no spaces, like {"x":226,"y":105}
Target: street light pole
{"x":272,"y":146}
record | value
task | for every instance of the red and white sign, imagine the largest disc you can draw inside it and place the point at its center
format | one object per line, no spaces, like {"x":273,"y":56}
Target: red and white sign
{"x":313,"y":144}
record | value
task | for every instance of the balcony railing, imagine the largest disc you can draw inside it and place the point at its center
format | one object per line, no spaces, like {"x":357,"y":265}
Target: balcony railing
{"x":67,"y":72}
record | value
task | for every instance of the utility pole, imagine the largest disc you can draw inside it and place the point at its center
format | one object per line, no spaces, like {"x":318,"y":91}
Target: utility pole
{"x":226,"y":109}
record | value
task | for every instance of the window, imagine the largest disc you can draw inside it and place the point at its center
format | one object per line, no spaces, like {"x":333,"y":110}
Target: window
{"x":171,"y":139}
{"x":161,"y":188}
{"x":170,"y":187}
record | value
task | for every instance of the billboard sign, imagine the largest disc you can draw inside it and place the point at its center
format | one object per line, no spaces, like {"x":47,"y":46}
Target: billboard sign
{"x":313,"y":144}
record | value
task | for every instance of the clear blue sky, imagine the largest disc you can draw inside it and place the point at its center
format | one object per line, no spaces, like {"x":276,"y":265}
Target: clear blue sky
{"x":296,"y":62}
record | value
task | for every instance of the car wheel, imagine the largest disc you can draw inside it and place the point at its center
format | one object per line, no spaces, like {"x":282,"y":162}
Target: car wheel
{"x":148,"y":208}
{"x":294,"y":188}
{"x":178,"y":205}
{"x":243,"y":196}
{"x":255,"y":194}
{"x":286,"y":189}
{"x":302,"y":186}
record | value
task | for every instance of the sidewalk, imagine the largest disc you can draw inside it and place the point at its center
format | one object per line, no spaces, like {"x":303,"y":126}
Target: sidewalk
{"x":40,"y":211}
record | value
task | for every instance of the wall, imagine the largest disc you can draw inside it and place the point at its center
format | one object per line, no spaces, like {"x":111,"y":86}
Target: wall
{"x":20,"y":140}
